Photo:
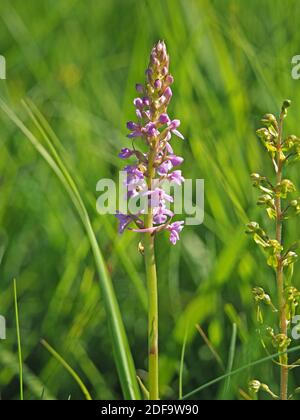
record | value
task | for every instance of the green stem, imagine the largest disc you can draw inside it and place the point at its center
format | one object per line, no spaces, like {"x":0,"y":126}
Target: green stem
{"x":20,"y":358}
{"x":182,"y":365}
{"x":151,"y":274}
{"x":279,"y":271}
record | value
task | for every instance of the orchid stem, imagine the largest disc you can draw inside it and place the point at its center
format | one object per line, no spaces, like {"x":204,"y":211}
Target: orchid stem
{"x":279,"y":271}
{"x":151,"y":274}
{"x":153,"y":317}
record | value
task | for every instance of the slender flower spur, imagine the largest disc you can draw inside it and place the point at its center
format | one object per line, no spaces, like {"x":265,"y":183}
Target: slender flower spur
{"x":155,"y":164}
{"x":280,"y":207}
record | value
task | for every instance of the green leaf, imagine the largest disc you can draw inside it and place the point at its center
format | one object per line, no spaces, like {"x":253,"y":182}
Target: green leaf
{"x":289,"y":274}
{"x":231,"y":357}
{"x":19,"y":341}
{"x":68,"y":368}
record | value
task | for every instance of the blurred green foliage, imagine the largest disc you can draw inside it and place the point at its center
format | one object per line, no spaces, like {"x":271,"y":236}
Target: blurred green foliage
{"x":79,"y":61}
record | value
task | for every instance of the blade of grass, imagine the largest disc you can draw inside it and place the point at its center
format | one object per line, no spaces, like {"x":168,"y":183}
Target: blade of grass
{"x":109,"y":295}
{"x":143,"y":388}
{"x":211,"y":347}
{"x":20,"y":359}
{"x":33,"y":382}
{"x":230,"y":360}
{"x":122,"y":352}
{"x":68,"y":368}
{"x":182,"y":366}
{"x":236,"y":372}
{"x":244,"y":395}
{"x":96,"y":378}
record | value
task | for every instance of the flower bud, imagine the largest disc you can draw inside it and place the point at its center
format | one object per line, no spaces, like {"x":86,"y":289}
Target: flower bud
{"x":261,"y":296}
{"x":281,"y":342}
{"x":270,"y":332}
{"x":164,"y":119}
{"x":160,"y":46}
{"x":139,"y":88}
{"x":255,"y":386}
{"x":176,"y":160}
{"x":158,"y":84}
{"x":290,"y":258}
{"x":146,"y":101}
{"x":285,"y":187}
{"x":269,"y":119}
{"x":169,"y":79}
{"x":174,"y":124}
{"x":289,"y":142}
{"x":256,"y":177}
{"x":294,"y":203}
{"x":131,"y":125}
{"x":168,"y":93}
{"x":141,"y":248}
{"x":253,"y":227}
{"x":164,"y":71}
{"x":286,"y":104}
{"x":138,"y":103}
{"x":265,"y":200}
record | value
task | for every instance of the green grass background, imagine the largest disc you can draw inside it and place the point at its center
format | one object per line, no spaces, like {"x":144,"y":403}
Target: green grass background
{"x":79,"y":61}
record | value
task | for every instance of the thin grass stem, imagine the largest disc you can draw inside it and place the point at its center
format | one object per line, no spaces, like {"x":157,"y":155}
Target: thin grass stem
{"x":68,"y":368}
{"x":20,"y":357}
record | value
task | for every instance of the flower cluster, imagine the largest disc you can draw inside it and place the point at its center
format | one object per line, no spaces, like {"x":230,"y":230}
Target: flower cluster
{"x":276,"y":197}
{"x":145,"y":178}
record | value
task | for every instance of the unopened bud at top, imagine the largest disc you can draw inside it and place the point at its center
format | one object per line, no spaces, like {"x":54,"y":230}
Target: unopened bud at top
{"x":286,"y":104}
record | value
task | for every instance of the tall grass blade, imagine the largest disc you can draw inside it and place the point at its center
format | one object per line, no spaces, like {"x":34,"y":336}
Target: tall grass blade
{"x":230,"y":360}
{"x":211,"y":347}
{"x":236,"y":372}
{"x":20,"y":359}
{"x":68,"y":368}
{"x":143,"y":388}
{"x":182,"y":366}
{"x":122,"y":352}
